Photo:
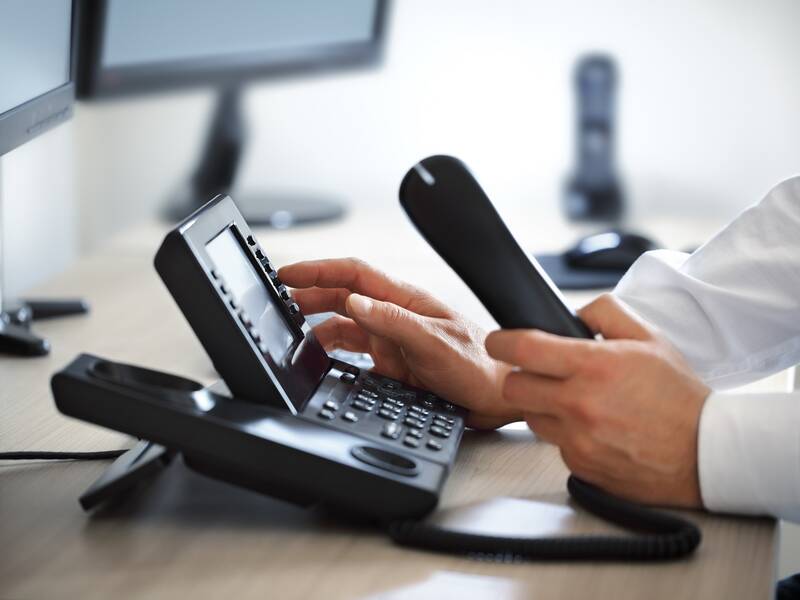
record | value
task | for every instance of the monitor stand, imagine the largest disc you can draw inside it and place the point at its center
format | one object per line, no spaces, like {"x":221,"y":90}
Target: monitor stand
{"x":216,"y":171}
{"x":16,"y":337}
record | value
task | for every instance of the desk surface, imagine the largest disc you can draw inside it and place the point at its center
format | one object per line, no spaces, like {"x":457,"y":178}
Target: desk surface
{"x":187,"y":536}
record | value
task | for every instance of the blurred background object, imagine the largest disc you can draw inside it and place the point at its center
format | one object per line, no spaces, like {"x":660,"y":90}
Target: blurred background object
{"x":594,"y":191}
{"x":133,"y":47}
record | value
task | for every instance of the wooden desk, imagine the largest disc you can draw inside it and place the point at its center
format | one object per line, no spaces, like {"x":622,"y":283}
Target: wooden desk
{"x":186,"y":536}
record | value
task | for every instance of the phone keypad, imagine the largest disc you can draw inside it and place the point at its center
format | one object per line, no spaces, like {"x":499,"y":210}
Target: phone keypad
{"x":389,"y":411}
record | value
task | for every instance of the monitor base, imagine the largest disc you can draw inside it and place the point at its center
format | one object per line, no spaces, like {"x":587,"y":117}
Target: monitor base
{"x":16,"y":337}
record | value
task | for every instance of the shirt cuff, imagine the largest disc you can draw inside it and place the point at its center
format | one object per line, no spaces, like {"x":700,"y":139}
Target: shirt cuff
{"x":749,"y":454}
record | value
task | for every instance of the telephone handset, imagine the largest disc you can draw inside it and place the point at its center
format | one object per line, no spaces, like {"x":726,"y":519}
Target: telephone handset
{"x":453,"y":213}
{"x":456,"y":217}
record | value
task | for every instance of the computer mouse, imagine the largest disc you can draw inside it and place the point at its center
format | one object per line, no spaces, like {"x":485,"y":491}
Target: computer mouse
{"x":608,"y":250}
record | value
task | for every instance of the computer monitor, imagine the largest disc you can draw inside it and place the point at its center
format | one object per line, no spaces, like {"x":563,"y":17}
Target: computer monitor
{"x":36,"y":94}
{"x":134,"y":46}
{"x":36,"y":88}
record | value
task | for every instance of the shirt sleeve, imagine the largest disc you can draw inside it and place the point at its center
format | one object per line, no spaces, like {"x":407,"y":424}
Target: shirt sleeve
{"x":733,"y":306}
{"x":733,"y":309}
{"x":749,"y":454}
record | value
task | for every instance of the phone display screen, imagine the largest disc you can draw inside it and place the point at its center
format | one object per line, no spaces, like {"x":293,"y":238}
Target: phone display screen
{"x":251,"y":293}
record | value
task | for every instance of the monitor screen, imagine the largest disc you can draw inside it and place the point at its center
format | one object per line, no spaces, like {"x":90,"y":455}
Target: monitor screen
{"x":35,"y":38}
{"x":160,"y":31}
{"x":131,"y":46}
{"x":250,"y":292}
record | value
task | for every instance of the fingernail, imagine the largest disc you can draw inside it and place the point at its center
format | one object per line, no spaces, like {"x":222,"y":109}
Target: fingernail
{"x":360,"y":305}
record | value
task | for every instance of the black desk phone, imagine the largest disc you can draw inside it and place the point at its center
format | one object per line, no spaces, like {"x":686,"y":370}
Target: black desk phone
{"x":290,"y":421}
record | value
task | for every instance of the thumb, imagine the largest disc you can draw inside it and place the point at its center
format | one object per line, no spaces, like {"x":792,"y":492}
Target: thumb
{"x":610,"y":317}
{"x":384,"y":319}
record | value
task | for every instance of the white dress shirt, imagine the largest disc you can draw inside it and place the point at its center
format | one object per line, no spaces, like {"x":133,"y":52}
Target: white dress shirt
{"x":733,"y":309}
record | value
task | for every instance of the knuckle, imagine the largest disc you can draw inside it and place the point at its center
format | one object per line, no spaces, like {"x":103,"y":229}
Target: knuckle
{"x":585,"y":410}
{"x":525,"y":347}
{"x":355,"y":262}
{"x":606,"y":299}
{"x":512,"y":386}
{"x":393,"y":314}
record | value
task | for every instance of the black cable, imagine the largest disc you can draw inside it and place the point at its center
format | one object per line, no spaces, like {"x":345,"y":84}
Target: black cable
{"x":44,"y":455}
{"x":663,"y":536}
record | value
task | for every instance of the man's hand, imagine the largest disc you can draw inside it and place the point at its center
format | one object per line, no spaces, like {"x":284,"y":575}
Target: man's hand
{"x":624,"y":411}
{"x":410,"y":335}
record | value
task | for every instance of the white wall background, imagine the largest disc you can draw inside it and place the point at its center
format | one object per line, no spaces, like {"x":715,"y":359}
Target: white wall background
{"x":709,"y":115}
{"x":709,"y":119}
{"x":38,"y":216}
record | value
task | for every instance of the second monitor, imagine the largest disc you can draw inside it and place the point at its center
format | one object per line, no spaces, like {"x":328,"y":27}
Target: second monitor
{"x":129,"y":48}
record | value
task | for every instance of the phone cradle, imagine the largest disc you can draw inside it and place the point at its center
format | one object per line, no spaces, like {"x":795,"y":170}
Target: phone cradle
{"x":247,"y":444}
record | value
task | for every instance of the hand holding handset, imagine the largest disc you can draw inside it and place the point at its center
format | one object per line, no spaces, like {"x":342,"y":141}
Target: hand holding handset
{"x":454,"y":214}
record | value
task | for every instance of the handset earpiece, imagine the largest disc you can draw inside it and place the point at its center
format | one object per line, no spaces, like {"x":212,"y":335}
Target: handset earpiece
{"x":453,"y":213}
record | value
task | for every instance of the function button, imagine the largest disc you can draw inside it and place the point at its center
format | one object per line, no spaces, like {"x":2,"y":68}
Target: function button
{"x":254,"y":334}
{"x":350,"y":416}
{"x":417,"y":433}
{"x":347,"y":377}
{"x":387,"y":414}
{"x":331,"y":405}
{"x":245,"y":319}
{"x":411,"y":442}
{"x":214,"y":274}
{"x":448,"y":407}
{"x":251,"y":240}
{"x":326,"y":414}
{"x":439,"y":431}
{"x":367,"y":393}
{"x":391,"y":431}
{"x":371,"y":381}
{"x":259,"y":254}
{"x":434,"y":445}
{"x":293,"y":308}
{"x":223,"y":288}
{"x":412,"y":422}
{"x":361,"y":405}
{"x":266,"y":264}
{"x":233,"y":304}
{"x":427,"y":403}
{"x":283,"y":292}
{"x":362,"y":396}
{"x":418,"y":410}
{"x":390,"y":385}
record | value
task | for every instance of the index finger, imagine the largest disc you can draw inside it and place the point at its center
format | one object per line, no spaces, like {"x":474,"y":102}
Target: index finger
{"x":357,"y":276}
{"x":539,"y":352}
